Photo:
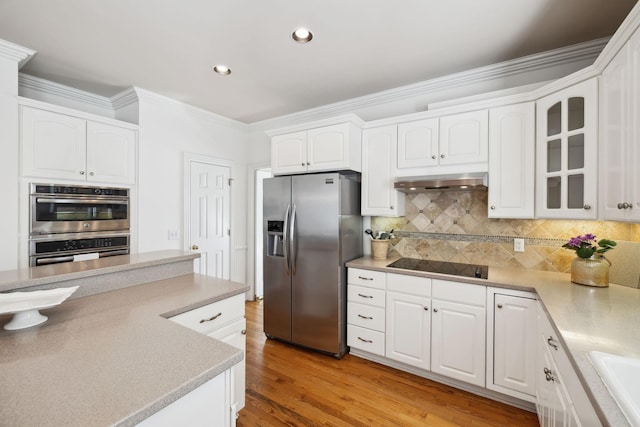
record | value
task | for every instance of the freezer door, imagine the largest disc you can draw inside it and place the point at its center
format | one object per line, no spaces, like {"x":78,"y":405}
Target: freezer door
{"x":276,"y":275}
{"x":316,"y":290}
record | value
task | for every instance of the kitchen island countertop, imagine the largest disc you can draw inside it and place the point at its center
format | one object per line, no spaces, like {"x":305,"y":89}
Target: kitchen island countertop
{"x":586,"y":318}
{"x":113,"y":358}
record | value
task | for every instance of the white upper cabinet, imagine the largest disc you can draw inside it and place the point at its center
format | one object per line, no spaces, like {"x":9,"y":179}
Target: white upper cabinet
{"x":619,"y":151}
{"x":59,"y":146}
{"x":511,"y":161}
{"x":418,"y":143}
{"x":464,"y":138}
{"x":379,"y":150}
{"x":336,"y":147}
{"x":566,"y":153}
{"x":449,"y":140}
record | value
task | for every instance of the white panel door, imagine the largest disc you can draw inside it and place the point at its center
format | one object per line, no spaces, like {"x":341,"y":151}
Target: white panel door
{"x":289,"y":153}
{"x":511,"y":161}
{"x":111,"y":153}
{"x":53,"y":145}
{"x":418,"y":143}
{"x":209,"y":218}
{"x":408,"y":328}
{"x":464,"y":138}
{"x":458,"y":341}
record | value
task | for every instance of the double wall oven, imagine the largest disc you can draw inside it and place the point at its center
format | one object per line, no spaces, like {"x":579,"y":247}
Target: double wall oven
{"x":70,"y":223}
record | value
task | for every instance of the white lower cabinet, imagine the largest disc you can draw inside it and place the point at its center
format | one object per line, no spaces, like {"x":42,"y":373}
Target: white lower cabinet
{"x":511,"y":348}
{"x":207,"y":405}
{"x":408,"y":315}
{"x":366,"y":311}
{"x":561,"y":401}
{"x":458,"y":327}
{"x":223,"y":320}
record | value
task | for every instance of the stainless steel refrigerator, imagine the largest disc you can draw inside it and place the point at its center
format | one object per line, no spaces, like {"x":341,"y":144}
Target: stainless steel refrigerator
{"x":312,"y":226}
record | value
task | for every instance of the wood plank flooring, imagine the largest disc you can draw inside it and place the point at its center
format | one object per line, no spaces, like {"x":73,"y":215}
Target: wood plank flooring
{"x":289,"y":386}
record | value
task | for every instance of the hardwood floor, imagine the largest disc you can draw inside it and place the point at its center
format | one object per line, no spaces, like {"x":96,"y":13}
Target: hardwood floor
{"x":289,"y":386}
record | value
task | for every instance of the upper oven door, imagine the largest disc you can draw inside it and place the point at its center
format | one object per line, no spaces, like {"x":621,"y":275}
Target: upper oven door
{"x":70,"y":214}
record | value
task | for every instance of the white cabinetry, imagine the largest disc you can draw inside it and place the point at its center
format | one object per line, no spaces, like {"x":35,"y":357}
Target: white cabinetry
{"x":207,"y":405}
{"x":328,"y":148}
{"x":408,"y":332}
{"x":511,"y":343}
{"x":560,"y":398}
{"x":458,"y":326}
{"x":449,"y":140}
{"x":619,"y":176}
{"x":511,"y":161}
{"x":366,"y":310}
{"x":566,"y":153}
{"x":60,"y":146}
{"x":379,"y":151}
{"x":223,"y":320}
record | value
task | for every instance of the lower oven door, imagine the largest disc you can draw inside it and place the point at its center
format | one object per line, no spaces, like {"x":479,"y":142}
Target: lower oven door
{"x":54,"y":249}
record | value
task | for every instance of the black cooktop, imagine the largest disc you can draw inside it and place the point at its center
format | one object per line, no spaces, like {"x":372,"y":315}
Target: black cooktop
{"x":442,"y":267}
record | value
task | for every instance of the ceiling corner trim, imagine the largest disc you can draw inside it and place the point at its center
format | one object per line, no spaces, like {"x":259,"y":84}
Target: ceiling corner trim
{"x":15,"y":52}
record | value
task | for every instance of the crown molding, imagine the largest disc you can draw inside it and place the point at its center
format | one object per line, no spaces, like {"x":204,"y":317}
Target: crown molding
{"x":619,"y":38}
{"x":44,"y":86}
{"x":124,"y":99}
{"x":164,"y":101}
{"x":15,"y":52}
{"x":566,"y":55}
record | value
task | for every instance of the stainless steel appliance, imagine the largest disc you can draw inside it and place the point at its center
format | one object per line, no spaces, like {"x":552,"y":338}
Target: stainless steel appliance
{"x":442,"y":267}
{"x":74,"y":222}
{"x":72,"y":209}
{"x":58,"y":248}
{"x":312,"y":226}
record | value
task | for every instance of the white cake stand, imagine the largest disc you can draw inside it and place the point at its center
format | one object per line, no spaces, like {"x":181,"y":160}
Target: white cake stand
{"x":25,"y":306}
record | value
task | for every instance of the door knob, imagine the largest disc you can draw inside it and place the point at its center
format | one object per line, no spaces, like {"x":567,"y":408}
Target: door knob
{"x":194,"y":247}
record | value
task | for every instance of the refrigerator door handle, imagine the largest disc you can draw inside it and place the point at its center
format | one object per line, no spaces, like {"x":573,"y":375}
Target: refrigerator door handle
{"x":285,"y":243}
{"x":292,"y":242}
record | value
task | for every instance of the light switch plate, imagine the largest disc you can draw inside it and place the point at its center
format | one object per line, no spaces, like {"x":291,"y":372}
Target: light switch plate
{"x":173,"y":235}
{"x":518,"y":245}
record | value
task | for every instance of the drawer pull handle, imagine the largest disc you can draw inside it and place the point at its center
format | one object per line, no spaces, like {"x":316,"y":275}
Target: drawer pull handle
{"x":365,"y":317}
{"x":211,"y":318}
{"x":365,"y":278}
{"x":548,"y":373}
{"x":365,"y":296}
{"x":363,"y":340}
{"x":552,"y":343}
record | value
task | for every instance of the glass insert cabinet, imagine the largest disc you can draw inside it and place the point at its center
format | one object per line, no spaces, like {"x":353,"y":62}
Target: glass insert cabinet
{"x":566,"y":152}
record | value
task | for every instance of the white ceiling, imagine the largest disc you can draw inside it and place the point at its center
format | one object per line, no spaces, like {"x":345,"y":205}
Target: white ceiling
{"x":359,"y":47}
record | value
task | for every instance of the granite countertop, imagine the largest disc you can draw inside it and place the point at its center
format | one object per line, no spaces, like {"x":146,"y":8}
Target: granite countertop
{"x":586,"y":319}
{"x":112,"y":358}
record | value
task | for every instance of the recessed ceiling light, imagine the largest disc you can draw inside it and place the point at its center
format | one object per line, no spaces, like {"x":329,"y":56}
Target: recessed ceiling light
{"x":222,"y":69}
{"x":302,"y":35}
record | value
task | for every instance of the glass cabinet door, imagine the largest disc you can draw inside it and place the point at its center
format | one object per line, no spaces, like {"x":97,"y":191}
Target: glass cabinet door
{"x":567,"y":153}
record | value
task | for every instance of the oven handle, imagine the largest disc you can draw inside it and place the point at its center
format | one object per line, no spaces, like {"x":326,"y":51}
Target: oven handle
{"x":83,"y":201}
{"x":54,"y":260}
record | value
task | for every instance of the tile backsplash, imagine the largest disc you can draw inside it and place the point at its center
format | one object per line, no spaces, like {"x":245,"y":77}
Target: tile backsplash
{"x":454,"y":226}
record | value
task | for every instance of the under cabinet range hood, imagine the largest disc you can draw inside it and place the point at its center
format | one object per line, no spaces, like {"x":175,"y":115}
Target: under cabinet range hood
{"x":459,"y":181}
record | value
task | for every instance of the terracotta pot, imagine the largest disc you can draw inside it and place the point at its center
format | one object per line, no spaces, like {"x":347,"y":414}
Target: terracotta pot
{"x":379,"y":248}
{"x":592,"y":271}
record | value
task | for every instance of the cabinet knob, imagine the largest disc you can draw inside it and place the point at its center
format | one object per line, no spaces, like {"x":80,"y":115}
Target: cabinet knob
{"x":442,"y":156}
{"x":302,"y":164}
{"x":587,"y":207}
{"x":243,"y":332}
{"x":308,"y":164}
{"x":493,"y":208}
{"x":91,"y":173}
{"x":435,"y":310}
{"x":81,"y":172}
{"x":499,"y":305}
{"x":391,"y":207}
{"x":426,"y":309}
{"x":194,"y":247}
{"x":433,"y":157}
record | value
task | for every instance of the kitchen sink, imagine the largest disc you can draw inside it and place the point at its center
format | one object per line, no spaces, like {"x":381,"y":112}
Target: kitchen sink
{"x":621,"y":375}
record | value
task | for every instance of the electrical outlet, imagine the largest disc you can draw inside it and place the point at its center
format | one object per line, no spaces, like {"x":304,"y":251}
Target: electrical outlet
{"x":173,"y":235}
{"x":518,"y":245}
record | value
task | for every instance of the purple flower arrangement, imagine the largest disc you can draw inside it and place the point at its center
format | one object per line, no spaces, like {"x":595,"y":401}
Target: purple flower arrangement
{"x":587,"y":245}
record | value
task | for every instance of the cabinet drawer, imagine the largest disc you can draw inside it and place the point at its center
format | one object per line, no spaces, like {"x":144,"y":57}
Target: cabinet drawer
{"x":406,"y":284}
{"x":365,"y":339}
{"x":365,"y":316}
{"x":463,"y":293}
{"x":212,"y":316}
{"x":369,"y":278}
{"x":368,"y":296}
